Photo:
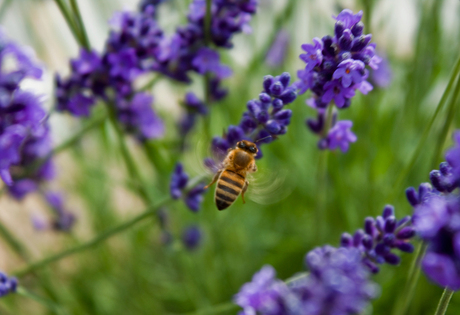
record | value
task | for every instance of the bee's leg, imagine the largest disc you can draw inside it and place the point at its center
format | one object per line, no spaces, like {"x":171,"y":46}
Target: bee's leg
{"x":214,"y":179}
{"x":245,"y":187}
{"x":254,"y":167}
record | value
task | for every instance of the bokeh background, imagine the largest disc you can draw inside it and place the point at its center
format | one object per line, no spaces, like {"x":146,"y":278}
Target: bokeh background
{"x":134,"y":272}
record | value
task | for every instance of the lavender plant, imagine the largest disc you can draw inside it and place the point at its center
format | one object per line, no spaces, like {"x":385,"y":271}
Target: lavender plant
{"x":194,"y":261}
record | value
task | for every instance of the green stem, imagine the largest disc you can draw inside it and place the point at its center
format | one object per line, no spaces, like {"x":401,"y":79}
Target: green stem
{"x":447,"y":125}
{"x":149,"y":85}
{"x":45,"y":302}
{"x":97,"y":240}
{"x":444,"y":302}
{"x":320,"y":210}
{"x":207,"y":76}
{"x":90,"y":125}
{"x":70,"y":22}
{"x":133,"y":171}
{"x":4,"y":8}
{"x":207,"y":23}
{"x":13,"y":242}
{"x":422,"y":143}
{"x":79,"y":22}
{"x":404,"y":301}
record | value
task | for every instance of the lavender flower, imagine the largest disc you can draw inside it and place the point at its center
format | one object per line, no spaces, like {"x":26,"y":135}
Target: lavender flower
{"x":339,"y":136}
{"x":25,"y":143}
{"x":379,"y":237}
{"x":335,"y":68}
{"x":338,"y":283}
{"x":277,"y":53}
{"x":137,"y":45}
{"x":266,"y":117}
{"x":192,"y":237}
{"x":208,"y":61}
{"x":64,"y":220}
{"x":383,"y":75}
{"x":186,"y":50}
{"x":194,"y":107}
{"x":7,"y":284}
{"x":436,"y":220}
{"x":130,"y":51}
{"x":192,"y":197}
{"x":264,"y":294}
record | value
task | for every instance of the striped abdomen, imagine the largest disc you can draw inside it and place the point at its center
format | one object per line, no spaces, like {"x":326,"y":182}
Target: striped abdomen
{"x":229,"y":186}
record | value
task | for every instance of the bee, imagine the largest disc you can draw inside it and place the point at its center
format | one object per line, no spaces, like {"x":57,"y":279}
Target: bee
{"x":231,"y":179}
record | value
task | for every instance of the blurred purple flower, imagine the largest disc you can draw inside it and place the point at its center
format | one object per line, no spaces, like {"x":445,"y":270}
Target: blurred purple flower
{"x":264,"y":294}
{"x":177,"y":187}
{"x":24,"y":138}
{"x":383,"y":75}
{"x":7,"y":284}
{"x":208,"y":60}
{"x":192,"y":237}
{"x":276,"y":55}
{"x":64,"y":220}
{"x":337,"y":283}
{"x":139,"y":118}
{"x":130,"y":51}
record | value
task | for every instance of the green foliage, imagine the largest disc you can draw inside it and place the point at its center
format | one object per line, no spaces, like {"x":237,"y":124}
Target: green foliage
{"x":133,"y":273}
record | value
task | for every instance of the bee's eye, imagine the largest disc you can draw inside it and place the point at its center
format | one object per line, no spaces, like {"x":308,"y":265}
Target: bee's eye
{"x":252,"y":149}
{"x":241,"y":145}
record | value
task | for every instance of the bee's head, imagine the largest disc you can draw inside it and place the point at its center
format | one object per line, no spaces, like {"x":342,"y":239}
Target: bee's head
{"x":247,"y":146}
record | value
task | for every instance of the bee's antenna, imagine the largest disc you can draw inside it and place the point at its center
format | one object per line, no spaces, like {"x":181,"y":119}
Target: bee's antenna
{"x":263,"y":138}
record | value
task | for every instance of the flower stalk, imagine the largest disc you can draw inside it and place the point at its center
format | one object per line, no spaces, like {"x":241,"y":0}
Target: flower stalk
{"x":444,"y":302}
{"x":73,"y":26}
{"x":421,"y":145}
{"x":79,"y":22}
{"x":97,"y":240}
{"x":51,"y":305}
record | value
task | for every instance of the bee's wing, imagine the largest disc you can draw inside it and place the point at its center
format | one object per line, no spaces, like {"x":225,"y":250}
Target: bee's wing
{"x":266,"y":186}
{"x":204,"y":160}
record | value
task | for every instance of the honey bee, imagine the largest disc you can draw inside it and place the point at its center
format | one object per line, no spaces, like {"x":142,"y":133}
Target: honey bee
{"x":231,"y":179}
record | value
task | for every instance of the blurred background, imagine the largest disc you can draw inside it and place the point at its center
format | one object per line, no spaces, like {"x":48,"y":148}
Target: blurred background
{"x":135,"y":272}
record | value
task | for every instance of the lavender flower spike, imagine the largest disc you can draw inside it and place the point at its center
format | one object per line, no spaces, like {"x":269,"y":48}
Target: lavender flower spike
{"x":192,"y":237}
{"x":266,"y":117}
{"x":338,"y":283}
{"x":64,"y":220}
{"x":335,"y":68}
{"x":379,"y":237}
{"x":24,"y":133}
{"x":436,"y":216}
{"x":7,"y":284}
{"x":193,"y":197}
